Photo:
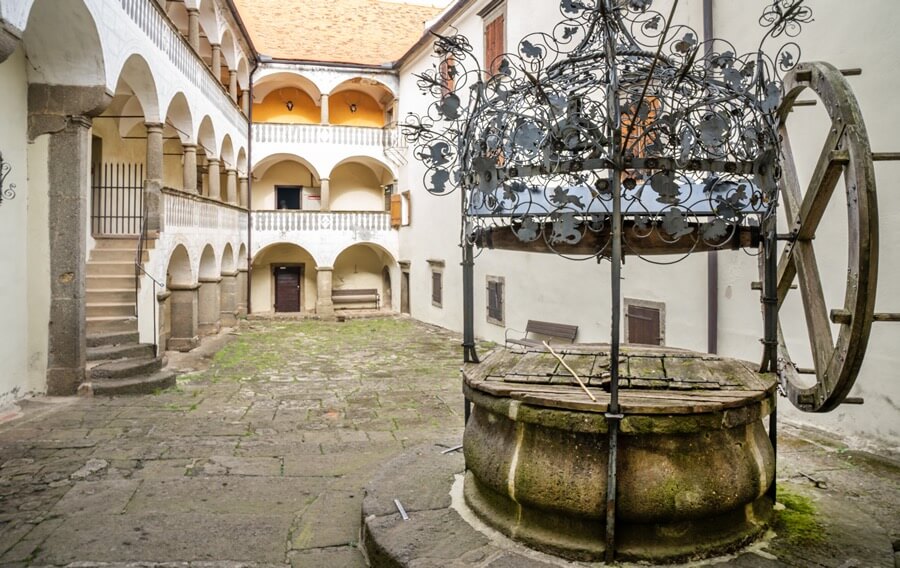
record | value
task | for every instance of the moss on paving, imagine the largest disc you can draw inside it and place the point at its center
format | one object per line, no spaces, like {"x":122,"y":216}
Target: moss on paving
{"x":797,"y":522}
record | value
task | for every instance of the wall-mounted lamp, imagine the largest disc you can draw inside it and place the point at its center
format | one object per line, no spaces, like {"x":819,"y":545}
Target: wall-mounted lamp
{"x":9,"y":191}
{"x":289,"y":105}
{"x":352,"y":107}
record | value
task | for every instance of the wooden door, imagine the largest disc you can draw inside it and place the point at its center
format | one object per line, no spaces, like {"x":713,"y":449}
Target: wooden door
{"x":404,"y":292}
{"x":287,"y":288}
{"x":644,"y":325}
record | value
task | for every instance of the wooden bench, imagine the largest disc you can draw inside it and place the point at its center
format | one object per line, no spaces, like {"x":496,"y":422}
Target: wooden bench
{"x":546,"y":329}
{"x":355,"y":296}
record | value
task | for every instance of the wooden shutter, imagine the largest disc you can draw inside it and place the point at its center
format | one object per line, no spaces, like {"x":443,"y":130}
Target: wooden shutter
{"x":396,"y":211}
{"x":436,"y":291}
{"x":495,"y":301}
{"x":447,"y":70}
{"x":644,"y":325}
{"x":494,"y":44}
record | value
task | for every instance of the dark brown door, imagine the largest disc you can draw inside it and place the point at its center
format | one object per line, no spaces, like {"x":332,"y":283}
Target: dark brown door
{"x":287,"y":288}
{"x":643,"y":325}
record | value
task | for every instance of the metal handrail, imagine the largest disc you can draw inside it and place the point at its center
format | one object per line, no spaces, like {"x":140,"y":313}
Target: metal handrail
{"x":138,"y":270}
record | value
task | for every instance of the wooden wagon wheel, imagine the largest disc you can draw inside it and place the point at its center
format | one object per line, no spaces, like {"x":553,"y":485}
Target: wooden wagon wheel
{"x":845,"y":151}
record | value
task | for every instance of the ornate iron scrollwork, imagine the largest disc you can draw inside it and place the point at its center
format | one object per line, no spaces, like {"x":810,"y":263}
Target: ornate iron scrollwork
{"x":6,"y":191}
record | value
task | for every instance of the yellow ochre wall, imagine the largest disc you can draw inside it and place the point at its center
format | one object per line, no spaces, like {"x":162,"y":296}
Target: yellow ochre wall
{"x":368,"y":112}
{"x":273,"y":108}
{"x":263,"y":292}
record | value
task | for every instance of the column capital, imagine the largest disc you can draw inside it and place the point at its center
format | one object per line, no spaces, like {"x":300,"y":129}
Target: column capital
{"x":324,"y":269}
{"x":215,"y":161}
{"x":190,"y":146}
{"x":231,"y":171}
{"x":192,"y":11}
{"x":80,"y":120}
{"x":215,"y":45}
{"x":324,"y":179}
{"x":154,"y":126}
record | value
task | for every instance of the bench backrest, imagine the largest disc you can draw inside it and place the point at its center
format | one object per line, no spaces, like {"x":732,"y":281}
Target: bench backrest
{"x":551,"y":329}
{"x":355,"y":292}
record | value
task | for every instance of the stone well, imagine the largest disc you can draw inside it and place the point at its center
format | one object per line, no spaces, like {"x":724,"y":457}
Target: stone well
{"x":694,"y":465}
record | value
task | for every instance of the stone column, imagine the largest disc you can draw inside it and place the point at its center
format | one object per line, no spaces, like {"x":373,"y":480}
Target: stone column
{"x":62,"y":113}
{"x":244,"y":192}
{"x":325,"y":195}
{"x":228,"y":299}
{"x":214,"y":191}
{"x":245,"y":102}
{"x":232,"y":85}
{"x":241,"y":294}
{"x":69,"y":173}
{"x":231,"y":186}
{"x":185,"y":317}
{"x":324,"y":305}
{"x":210,"y":308}
{"x":165,"y":318}
{"x":190,"y":167}
{"x":216,"y":64}
{"x":194,"y":28}
{"x":323,"y":101}
{"x":154,"y":151}
{"x":8,"y":43}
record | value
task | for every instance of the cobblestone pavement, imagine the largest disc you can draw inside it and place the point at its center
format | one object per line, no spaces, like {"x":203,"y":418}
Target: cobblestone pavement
{"x":260,"y":459}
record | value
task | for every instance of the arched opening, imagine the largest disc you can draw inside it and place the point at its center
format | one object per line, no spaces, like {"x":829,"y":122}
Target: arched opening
{"x":229,"y":57}
{"x":209,"y":31}
{"x":177,"y":12}
{"x":360,"y":267}
{"x":241,"y":264}
{"x":208,"y":149}
{"x":227,"y":172}
{"x":209,"y":308}
{"x":179,"y":312}
{"x":63,"y":45}
{"x":286,"y":98}
{"x":287,"y":182}
{"x":360,"y":184}
{"x":122,"y":157}
{"x":228,"y":288}
{"x":361,"y":102}
{"x":283,"y":280}
{"x":179,"y":130}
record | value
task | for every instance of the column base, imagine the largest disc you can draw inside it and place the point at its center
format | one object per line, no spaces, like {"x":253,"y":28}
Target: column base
{"x":182,"y":344}
{"x":64,"y":381}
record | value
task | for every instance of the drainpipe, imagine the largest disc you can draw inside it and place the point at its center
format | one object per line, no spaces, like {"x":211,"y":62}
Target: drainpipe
{"x":712,"y":258}
{"x":250,"y":187}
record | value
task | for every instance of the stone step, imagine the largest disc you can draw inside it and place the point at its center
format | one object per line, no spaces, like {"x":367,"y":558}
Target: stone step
{"x":135,"y":385}
{"x":122,"y":351}
{"x":120,"y":310}
{"x":122,"y":296}
{"x":97,"y":325}
{"x":125,"y":368}
{"x":129,"y":242}
{"x":112,"y":338}
{"x":116,"y":255}
{"x":120,"y":268}
{"x":120,"y":282}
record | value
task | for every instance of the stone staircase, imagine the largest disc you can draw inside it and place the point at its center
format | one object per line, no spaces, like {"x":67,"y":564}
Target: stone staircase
{"x":117,"y":362}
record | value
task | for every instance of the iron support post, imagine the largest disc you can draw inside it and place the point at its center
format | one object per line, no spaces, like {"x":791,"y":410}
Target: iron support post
{"x":468,"y":266}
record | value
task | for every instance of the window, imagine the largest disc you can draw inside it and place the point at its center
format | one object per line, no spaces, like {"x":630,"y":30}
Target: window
{"x":400,"y":209}
{"x":645,"y":322}
{"x":437,"y":282}
{"x":288,"y":196}
{"x":447,"y":72}
{"x":494,"y":16}
{"x":495,"y":302}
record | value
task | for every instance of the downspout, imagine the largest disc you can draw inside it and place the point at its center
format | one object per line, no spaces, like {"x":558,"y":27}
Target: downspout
{"x":250,"y":188}
{"x":712,"y":258}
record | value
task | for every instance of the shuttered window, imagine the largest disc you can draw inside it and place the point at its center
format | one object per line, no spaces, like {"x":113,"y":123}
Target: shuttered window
{"x":645,"y":322}
{"x":396,"y":211}
{"x":495,"y":300}
{"x":448,"y":72}
{"x":494,"y":43}
{"x":437,"y":288}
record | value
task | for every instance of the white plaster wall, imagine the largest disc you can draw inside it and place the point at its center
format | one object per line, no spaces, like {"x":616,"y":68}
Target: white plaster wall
{"x":16,"y":225}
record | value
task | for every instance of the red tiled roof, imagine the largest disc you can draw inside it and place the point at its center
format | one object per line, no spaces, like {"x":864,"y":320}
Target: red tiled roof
{"x":368,"y":32}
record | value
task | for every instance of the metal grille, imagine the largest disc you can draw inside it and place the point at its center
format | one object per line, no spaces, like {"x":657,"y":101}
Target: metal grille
{"x":117,"y":199}
{"x":436,"y":288}
{"x":495,"y":301}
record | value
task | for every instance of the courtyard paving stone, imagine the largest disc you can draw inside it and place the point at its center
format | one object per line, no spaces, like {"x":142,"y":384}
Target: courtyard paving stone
{"x":258,"y":457}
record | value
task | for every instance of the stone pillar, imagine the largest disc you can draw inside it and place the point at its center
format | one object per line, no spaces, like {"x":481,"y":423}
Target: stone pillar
{"x":165,"y":318}
{"x":231,"y":186}
{"x":194,"y":28}
{"x":190,"y":167}
{"x":62,"y":113}
{"x":245,"y":102}
{"x":8,"y":43}
{"x":324,"y":108}
{"x":241,"y":293}
{"x":228,"y":299}
{"x":210,"y":306}
{"x":324,"y":305}
{"x":232,"y":85}
{"x":214,"y":191}
{"x":325,"y":195}
{"x":243,"y":192}
{"x":216,"y":64}
{"x":69,"y":173}
{"x":185,"y":317}
{"x":154,"y":151}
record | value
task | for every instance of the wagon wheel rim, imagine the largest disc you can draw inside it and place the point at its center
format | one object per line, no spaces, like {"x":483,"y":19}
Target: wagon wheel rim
{"x":846,"y":151}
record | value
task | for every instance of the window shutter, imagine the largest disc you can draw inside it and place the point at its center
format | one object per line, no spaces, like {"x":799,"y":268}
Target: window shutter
{"x":493,"y":44}
{"x":396,"y":211}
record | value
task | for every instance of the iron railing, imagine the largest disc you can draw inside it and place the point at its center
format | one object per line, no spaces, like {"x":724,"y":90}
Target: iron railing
{"x":138,"y":271}
{"x":117,"y":199}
